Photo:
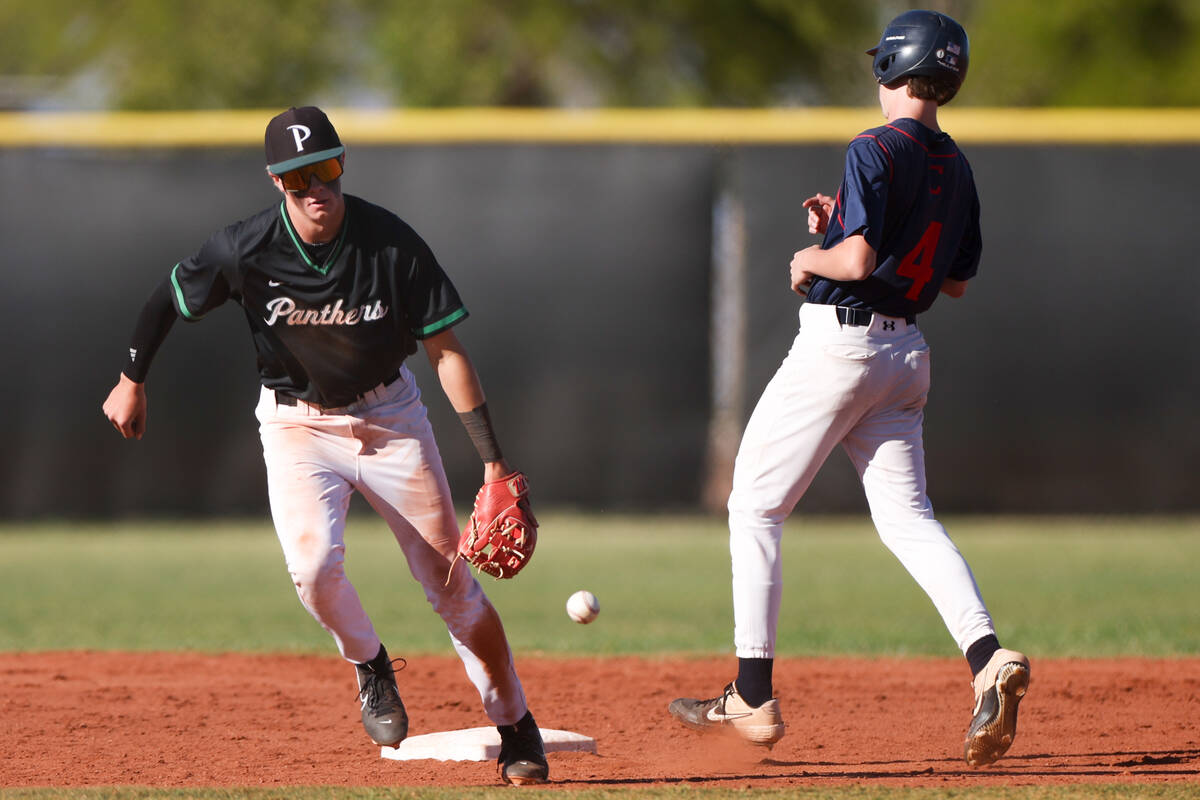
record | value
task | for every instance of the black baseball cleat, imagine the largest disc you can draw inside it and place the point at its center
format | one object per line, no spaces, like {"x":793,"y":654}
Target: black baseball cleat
{"x":383,"y":715}
{"x":522,"y":760}
{"x":999,"y":688}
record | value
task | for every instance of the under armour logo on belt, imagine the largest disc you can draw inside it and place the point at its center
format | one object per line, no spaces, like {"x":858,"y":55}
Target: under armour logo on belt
{"x":889,"y":325}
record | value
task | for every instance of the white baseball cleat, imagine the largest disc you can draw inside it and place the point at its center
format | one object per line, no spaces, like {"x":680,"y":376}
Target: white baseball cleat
{"x":999,"y":687}
{"x":761,"y":725}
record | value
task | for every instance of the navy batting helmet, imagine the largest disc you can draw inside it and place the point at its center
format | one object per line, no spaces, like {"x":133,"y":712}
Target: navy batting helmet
{"x":921,"y":43}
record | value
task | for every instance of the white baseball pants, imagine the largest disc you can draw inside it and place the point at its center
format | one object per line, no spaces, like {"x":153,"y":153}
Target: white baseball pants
{"x":863,"y":387}
{"x":383,"y":447}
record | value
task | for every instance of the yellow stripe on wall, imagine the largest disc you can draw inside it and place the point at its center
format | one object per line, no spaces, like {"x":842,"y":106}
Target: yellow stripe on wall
{"x":664,"y":126}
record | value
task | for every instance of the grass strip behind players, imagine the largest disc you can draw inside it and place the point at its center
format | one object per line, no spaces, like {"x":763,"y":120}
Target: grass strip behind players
{"x":1084,"y":587}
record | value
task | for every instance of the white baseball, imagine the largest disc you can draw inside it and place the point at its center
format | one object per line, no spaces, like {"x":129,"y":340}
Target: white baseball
{"x":583,"y":607}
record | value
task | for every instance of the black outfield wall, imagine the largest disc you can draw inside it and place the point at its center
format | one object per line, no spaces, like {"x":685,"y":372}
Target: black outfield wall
{"x":1065,"y":380}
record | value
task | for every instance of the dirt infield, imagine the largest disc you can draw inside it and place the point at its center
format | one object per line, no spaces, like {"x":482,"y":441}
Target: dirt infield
{"x":170,"y":719}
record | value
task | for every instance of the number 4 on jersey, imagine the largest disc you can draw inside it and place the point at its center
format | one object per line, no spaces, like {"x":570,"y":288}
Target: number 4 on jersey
{"x":916,"y":265}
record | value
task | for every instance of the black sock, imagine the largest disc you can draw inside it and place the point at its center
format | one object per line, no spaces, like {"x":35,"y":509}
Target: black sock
{"x":378,"y":661}
{"x":980,"y":653}
{"x":754,"y":680}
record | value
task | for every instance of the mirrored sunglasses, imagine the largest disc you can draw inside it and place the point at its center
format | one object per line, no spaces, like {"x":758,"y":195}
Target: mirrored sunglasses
{"x":298,"y":180}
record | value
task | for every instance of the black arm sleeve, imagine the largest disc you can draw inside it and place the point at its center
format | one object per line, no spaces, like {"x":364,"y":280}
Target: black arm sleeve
{"x":478,"y":423}
{"x":155,"y":321}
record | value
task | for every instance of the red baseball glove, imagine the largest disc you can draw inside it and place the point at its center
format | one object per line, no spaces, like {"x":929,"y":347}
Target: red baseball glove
{"x":501,"y":533}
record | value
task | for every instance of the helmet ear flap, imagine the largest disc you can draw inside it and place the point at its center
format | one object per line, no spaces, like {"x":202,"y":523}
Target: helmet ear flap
{"x":885,"y":69}
{"x":883,"y":65}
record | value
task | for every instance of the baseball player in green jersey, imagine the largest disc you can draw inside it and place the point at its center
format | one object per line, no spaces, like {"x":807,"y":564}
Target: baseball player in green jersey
{"x":338,"y":292}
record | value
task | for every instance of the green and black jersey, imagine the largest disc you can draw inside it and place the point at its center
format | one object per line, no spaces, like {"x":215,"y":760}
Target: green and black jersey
{"x":330,"y":321}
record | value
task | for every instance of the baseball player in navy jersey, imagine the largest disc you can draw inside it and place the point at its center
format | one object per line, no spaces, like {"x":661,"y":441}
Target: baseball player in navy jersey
{"x":903,"y":228}
{"x":338,"y":293}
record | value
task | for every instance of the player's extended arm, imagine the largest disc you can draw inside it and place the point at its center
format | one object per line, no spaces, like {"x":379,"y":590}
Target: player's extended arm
{"x":851,"y":259}
{"x":501,"y":533}
{"x":125,"y":406}
{"x":461,"y":384}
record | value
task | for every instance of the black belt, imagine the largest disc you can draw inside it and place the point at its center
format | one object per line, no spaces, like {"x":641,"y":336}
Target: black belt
{"x":289,"y":400}
{"x":862,"y":316}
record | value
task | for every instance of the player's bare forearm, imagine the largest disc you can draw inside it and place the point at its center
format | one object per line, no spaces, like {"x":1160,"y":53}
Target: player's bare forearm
{"x":125,"y":408}
{"x":455,"y":371}
{"x":460,"y":382}
{"x":851,"y":259}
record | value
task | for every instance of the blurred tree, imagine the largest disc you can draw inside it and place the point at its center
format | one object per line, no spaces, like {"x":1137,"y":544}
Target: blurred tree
{"x":220,"y":54}
{"x":158,"y":54}
{"x":40,"y":47}
{"x":1085,"y":52}
{"x":621,"y":52}
{"x":148,"y":54}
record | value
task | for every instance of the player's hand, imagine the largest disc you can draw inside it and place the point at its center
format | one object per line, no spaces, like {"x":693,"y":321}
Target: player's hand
{"x":820,"y":207}
{"x":126,"y":408}
{"x":801,"y":277}
{"x":496,"y":470}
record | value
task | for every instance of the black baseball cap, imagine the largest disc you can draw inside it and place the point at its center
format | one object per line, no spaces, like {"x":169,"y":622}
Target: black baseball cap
{"x":300,"y":136}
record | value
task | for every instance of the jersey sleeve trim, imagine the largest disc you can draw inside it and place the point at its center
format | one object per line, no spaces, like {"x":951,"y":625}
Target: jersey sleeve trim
{"x":454,"y":317}
{"x":180,"y":302}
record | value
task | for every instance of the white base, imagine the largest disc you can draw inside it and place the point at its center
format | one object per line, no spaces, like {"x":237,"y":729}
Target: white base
{"x":479,"y":744}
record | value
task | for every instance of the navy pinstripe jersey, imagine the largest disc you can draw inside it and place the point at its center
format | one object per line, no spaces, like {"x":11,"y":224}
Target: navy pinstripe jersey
{"x":329,"y":322}
{"x":911,"y":193}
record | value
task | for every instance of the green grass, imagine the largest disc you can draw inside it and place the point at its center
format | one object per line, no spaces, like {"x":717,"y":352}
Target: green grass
{"x":1086,"y":792}
{"x":1056,"y":586}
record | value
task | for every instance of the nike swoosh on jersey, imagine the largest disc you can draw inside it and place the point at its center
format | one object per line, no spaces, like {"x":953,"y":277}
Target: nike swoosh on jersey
{"x":274,"y":283}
